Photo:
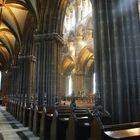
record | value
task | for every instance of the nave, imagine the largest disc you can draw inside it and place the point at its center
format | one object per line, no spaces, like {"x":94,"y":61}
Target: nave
{"x":54,"y":52}
{"x":74,"y":123}
{"x":11,"y":129}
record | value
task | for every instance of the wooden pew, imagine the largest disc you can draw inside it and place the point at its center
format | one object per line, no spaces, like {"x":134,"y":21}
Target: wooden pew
{"x":46,"y":120}
{"x":26,"y":112}
{"x":8,"y":105}
{"x":17,"y":113}
{"x":37,"y":120}
{"x":126,"y":131}
{"x":14,"y":108}
{"x":21,"y":113}
{"x":31,"y":116}
{"x":79,"y":126}
{"x":45,"y":124}
{"x":60,"y":123}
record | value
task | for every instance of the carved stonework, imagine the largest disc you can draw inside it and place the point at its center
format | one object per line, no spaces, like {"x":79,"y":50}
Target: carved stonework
{"x":49,"y":36}
{"x":27,"y":58}
{"x":89,"y":34}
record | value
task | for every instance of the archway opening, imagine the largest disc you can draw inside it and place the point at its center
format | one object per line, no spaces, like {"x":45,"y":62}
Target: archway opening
{"x":79,"y":75}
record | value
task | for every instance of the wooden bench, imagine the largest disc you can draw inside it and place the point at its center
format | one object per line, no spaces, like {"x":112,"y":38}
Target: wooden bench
{"x":46,"y":120}
{"x":45,"y":124}
{"x":14,"y":109}
{"x":126,"y":131}
{"x":31,"y":116}
{"x":21,"y":113}
{"x":37,"y":120}
{"x":60,"y":123}
{"x":79,"y":126}
{"x":18,"y":109}
{"x":26,"y":112}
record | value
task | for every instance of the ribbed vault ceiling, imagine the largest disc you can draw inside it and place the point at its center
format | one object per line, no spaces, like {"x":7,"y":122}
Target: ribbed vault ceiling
{"x":13,"y":14}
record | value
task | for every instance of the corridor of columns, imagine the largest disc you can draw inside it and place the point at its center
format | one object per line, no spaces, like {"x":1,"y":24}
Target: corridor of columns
{"x":65,"y":58}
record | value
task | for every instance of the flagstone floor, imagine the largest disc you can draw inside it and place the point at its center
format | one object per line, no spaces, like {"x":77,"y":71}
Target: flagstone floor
{"x":11,"y":129}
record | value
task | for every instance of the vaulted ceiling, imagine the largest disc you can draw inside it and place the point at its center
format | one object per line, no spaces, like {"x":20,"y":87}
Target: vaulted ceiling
{"x":13,"y":15}
{"x":15,"y":23}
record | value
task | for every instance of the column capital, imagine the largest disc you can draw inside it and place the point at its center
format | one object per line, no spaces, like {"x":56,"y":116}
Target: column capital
{"x":27,"y":58}
{"x":79,"y":74}
{"x":49,"y":36}
{"x":14,"y":67}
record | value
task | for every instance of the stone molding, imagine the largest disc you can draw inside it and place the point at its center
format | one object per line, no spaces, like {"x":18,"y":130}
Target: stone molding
{"x":14,"y":67}
{"x":49,"y":36}
{"x":27,"y":57}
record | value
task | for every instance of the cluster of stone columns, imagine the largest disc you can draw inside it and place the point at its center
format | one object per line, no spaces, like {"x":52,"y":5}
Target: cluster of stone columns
{"x":116,"y":58}
{"x":38,"y":79}
{"x":48,"y":51}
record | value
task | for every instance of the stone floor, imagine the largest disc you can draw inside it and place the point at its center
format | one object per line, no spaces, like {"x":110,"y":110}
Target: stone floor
{"x":11,"y":129}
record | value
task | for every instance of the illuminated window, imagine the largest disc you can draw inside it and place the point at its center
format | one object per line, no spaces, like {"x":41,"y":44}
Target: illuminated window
{"x":70,"y":86}
{"x":75,"y":13}
{"x":78,"y":34}
{"x":94,"y":83}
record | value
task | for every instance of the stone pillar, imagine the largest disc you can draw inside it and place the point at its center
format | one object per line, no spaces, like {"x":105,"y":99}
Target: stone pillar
{"x":68,"y":20}
{"x":27,"y":64}
{"x":63,"y":85}
{"x":78,"y":11}
{"x":48,"y":72}
{"x":88,"y":83}
{"x":27,"y":85}
{"x":71,"y":16}
{"x":14,"y":83}
{"x":14,"y":88}
{"x":78,"y":82}
{"x":117,"y":67}
{"x":83,"y":8}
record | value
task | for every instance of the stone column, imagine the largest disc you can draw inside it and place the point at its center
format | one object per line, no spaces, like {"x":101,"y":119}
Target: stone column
{"x":63,"y":85}
{"x":27,"y":84}
{"x":83,"y":8}
{"x":78,"y":82}
{"x":28,"y":74}
{"x":14,"y":83}
{"x":48,"y":52}
{"x":116,"y":58}
{"x":14,"y":88}
{"x":78,"y":10}
{"x":88,"y":83}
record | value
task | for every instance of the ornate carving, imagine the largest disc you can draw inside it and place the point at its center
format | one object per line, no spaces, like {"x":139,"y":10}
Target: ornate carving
{"x":78,"y":2}
{"x":49,"y":36}
{"x":14,"y":67}
{"x":104,"y":115}
{"x":27,"y":57}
